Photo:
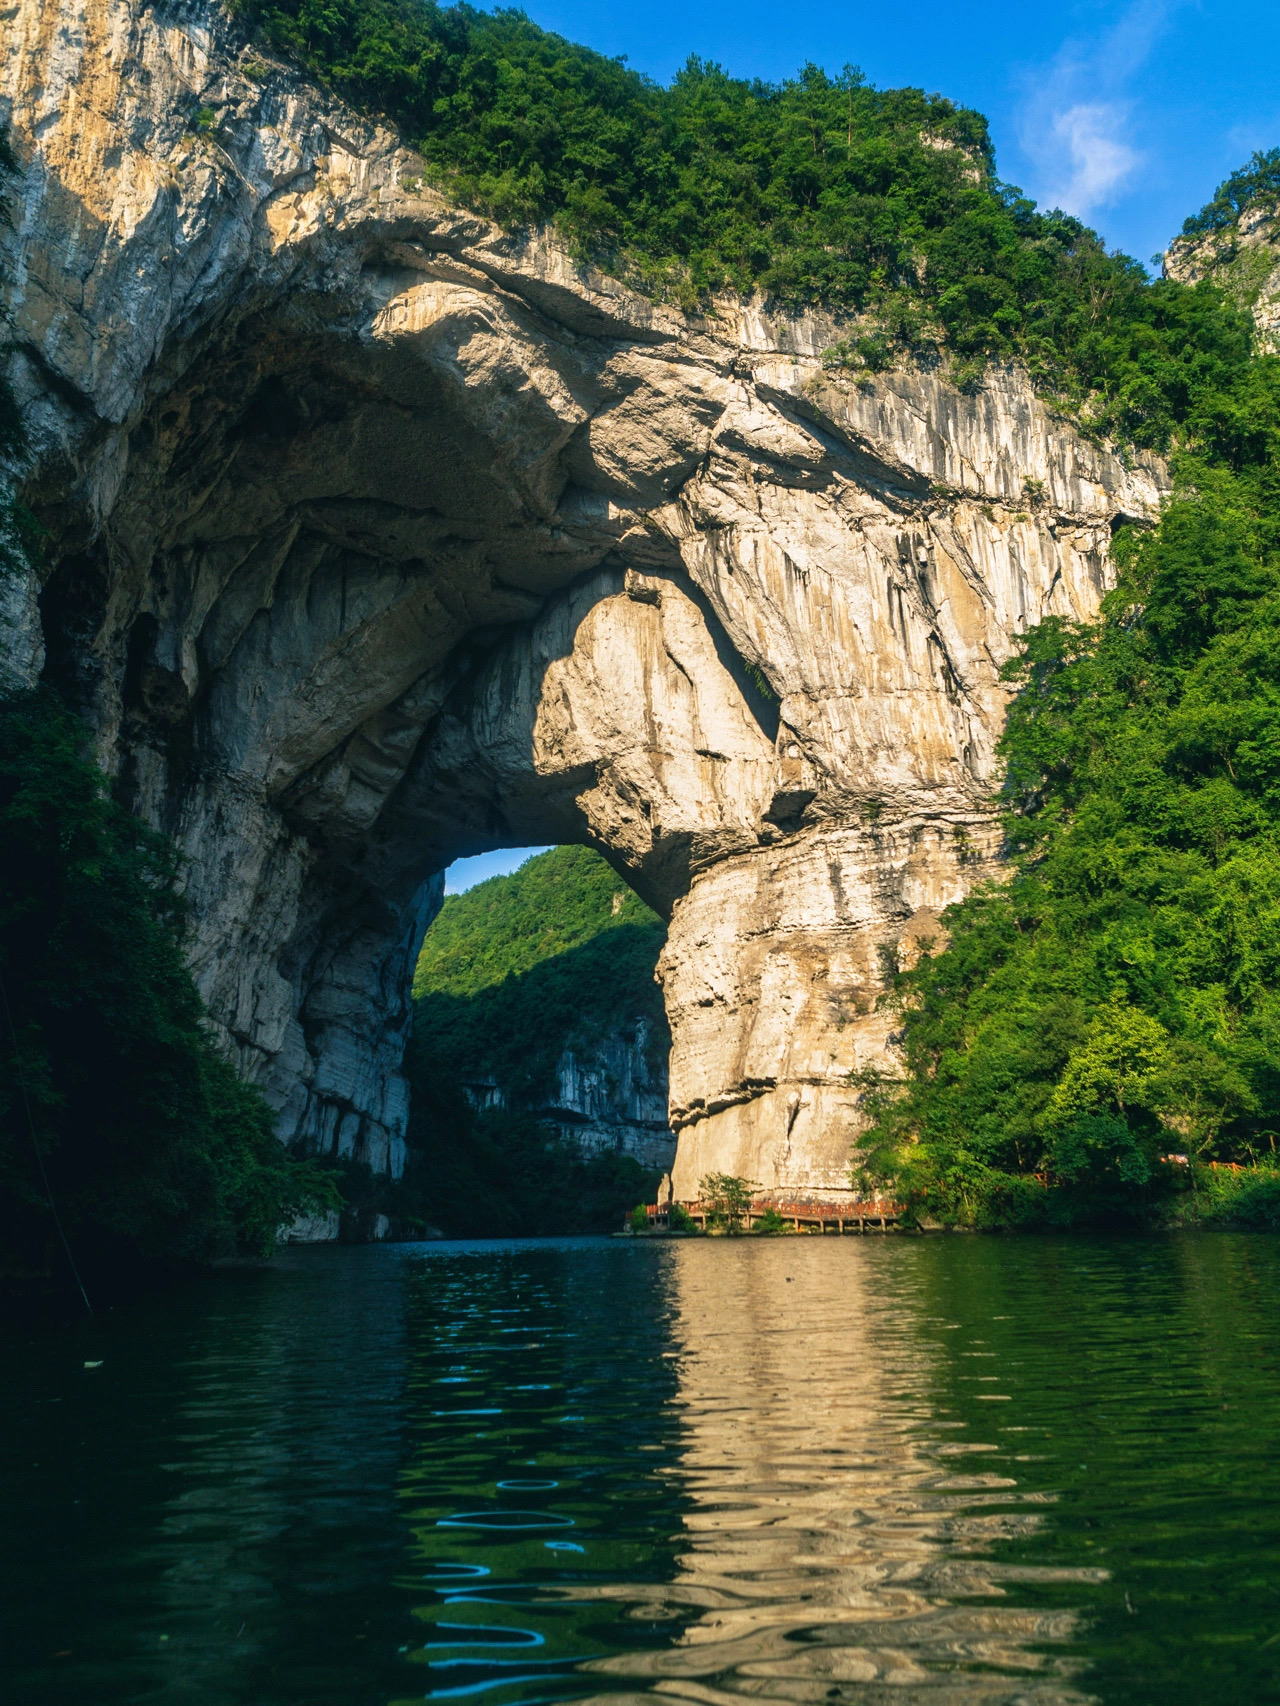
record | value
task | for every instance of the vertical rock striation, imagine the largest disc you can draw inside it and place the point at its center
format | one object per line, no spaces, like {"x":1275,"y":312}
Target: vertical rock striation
{"x":609,"y":1094}
{"x":377,"y":536}
{"x":612,"y":1097}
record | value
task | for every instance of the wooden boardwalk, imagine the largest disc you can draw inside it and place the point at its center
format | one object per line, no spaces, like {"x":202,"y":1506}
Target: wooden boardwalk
{"x":803,"y":1216}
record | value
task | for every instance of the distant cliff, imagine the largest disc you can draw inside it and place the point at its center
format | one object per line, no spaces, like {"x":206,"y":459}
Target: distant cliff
{"x":535,"y":995}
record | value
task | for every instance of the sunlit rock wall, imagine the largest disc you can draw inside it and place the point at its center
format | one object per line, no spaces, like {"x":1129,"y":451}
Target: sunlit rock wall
{"x":377,"y":536}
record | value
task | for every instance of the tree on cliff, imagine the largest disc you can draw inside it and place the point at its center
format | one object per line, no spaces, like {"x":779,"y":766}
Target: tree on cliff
{"x":1117,"y":999}
{"x":881,"y":204}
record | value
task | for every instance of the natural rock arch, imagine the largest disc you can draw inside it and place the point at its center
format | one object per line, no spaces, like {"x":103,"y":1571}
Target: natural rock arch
{"x":377,"y":537}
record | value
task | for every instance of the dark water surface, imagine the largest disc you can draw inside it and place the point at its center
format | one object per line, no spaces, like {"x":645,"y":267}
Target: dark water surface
{"x":802,"y":1470}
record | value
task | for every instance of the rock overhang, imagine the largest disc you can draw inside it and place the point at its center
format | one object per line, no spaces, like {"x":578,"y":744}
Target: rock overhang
{"x":379,"y":535}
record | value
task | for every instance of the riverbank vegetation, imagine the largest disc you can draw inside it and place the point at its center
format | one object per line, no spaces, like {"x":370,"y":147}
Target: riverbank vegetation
{"x":557,"y":956}
{"x":126,"y":1137}
{"x":1118,"y":1000}
{"x":120,"y":1118}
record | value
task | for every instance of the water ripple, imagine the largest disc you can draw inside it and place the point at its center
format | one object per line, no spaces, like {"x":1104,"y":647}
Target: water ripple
{"x":962,"y":1472}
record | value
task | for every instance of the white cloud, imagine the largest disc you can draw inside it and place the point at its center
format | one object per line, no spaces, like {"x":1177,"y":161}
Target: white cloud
{"x":1091,"y":161}
{"x":1076,"y":120}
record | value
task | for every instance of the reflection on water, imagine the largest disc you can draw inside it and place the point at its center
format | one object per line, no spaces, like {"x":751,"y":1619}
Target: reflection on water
{"x":540,"y":1487}
{"x":946,"y":1470}
{"x":837,"y":1527}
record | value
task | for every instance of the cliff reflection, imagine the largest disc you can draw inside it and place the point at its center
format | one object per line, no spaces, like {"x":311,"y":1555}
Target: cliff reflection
{"x":808,"y":1470}
{"x":835,"y":1517}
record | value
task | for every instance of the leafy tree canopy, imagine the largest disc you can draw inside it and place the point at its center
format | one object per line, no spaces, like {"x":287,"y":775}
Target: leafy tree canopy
{"x":1117,"y":999}
{"x":879,"y":203}
{"x":507,"y":925}
{"x":556,"y":955}
{"x":521,"y":967}
{"x":1258,"y":181}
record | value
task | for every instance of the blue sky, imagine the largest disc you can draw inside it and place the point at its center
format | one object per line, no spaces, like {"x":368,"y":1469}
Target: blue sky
{"x":464,"y":874}
{"x":1128,"y":115}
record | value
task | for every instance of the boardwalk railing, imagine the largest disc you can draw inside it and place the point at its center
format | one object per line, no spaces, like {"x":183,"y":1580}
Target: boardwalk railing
{"x":804,"y":1216}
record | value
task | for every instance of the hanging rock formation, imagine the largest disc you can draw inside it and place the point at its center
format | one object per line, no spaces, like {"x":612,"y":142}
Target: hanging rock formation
{"x":377,"y":536}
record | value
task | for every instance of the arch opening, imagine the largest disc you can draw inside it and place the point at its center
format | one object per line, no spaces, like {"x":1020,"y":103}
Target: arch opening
{"x":380,"y":537}
{"x":538,"y":1061}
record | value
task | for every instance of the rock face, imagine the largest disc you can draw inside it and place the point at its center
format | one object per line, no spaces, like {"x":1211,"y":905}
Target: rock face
{"x":377,"y":536}
{"x":610,"y":1094}
{"x":613,"y":1098}
{"x":1244,"y":260}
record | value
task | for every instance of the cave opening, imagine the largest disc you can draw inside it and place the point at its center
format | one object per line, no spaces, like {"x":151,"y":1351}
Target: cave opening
{"x":408,"y":560}
{"x":537,"y":1060}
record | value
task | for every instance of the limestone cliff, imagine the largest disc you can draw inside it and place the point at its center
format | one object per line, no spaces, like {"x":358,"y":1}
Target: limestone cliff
{"x":611,"y":1097}
{"x":608,"y":1094}
{"x":1244,"y":260}
{"x":377,"y":536}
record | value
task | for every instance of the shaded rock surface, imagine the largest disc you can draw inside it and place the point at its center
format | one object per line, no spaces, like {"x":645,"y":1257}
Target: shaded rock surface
{"x":377,"y":536}
{"x":609,"y":1094}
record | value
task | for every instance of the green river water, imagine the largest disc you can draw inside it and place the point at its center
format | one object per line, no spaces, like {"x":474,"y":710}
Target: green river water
{"x":889,"y":1469}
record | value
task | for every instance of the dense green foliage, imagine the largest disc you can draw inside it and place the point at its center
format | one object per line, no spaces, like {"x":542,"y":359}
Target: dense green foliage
{"x":500,"y":1174}
{"x":877,"y":203}
{"x":1258,"y":181}
{"x":556,"y":955}
{"x":1120,"y":997}
{"x":520,"y":967}
{"x":727,"y":1200}
{"x":515,"y":1031}
{"x":113,"y":1100}
{"x":1214,"y":1196}
{"x":505,"y":926}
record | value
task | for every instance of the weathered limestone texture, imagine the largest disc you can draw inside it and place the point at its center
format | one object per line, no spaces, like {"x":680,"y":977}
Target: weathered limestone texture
{"x":378,"y":536}
{"x":610,"y":1094}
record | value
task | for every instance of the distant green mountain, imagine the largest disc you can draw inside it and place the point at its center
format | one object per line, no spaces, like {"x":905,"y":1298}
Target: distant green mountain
{"x":557,"y":957}
{"x":508,"y":925}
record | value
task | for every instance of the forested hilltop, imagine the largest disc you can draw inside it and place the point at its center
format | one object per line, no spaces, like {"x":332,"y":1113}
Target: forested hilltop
{"x":557,"y":956}
{"x":880,"y":205}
